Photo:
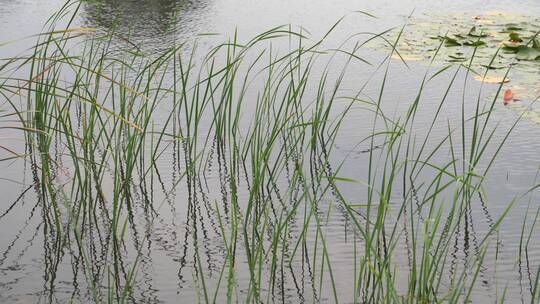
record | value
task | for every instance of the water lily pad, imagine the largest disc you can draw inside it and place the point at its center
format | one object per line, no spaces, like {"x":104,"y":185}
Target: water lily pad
{"x":492,"y":79}
{"x":457,"y":57}
{"x":474,"y":33}
{"x":533,"y":116}
{"x":511,"y":27}
{"x":514,"y":37}
{"x":511,"y":46}
{"x":485,"y":21}
{"x":535,"y":44}
{"x":407,"y":57}
{"x":474,"y":43}
{"x":492,"y":67}
{"x":448,"y":41}
{"x":496,"y":13}
{"x":527,"y":53}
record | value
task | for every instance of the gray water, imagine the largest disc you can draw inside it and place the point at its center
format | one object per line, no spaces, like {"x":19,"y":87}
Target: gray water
{"x":168,"y":266}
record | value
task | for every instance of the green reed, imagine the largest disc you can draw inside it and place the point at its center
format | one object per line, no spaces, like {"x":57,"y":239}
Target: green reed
{"x":98,"y":118}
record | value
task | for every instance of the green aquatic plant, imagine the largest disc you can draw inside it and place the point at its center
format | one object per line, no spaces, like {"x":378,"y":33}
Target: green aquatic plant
{"x":512,"y":37}
{"x":118,"y":140}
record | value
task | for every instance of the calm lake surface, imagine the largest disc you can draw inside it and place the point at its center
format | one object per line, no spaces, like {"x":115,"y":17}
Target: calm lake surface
{"x":32,"y":271}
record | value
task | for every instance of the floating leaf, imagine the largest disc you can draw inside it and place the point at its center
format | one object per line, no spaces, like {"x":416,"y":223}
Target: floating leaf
{"x":527,"y":53}
{"x":510,"y":27}
{"x":514,"y":37}
{"x":536,"y":44}
{"x":508,"y":96}
{"x":448,"y":41}
{"x":511,"y":46}
{"x":474,"y":33}
{"x":492,"y":79}
{"x":457,"y":57}
{"x":474,"y":43}
{"x":535,"y":117}
{"x":496,"y":13}
{"x":485,"y":21}
{"x":492,"y":67}
{"x":407,"y":57}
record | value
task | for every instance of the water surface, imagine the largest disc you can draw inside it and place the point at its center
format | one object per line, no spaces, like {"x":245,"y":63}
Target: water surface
{"x":186,"y":218}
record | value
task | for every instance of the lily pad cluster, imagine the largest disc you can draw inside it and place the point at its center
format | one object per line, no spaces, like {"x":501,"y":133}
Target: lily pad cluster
{"x":472,"y":38}
{"x":516,"y":35}
{"x":498,"y":40}
{"x":525,"y":48}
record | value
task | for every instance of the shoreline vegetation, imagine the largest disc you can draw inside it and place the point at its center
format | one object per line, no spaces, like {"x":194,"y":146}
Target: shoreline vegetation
{"x":102,"y":123}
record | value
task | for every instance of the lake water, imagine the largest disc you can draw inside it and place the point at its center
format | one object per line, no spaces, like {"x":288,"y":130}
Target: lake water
{"x":184,"y":231}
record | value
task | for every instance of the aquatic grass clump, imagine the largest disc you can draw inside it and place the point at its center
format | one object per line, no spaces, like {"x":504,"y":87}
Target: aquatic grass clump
{"x":121,"y":144}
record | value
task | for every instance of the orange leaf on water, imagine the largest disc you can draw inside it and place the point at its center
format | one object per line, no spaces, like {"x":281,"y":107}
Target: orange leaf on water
{"x":508,"y":96}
